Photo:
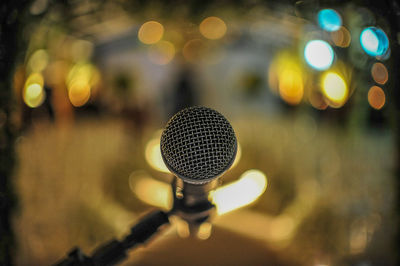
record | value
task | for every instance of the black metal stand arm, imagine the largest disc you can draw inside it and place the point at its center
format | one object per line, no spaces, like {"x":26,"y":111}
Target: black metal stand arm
{"x":191,"y":203}
{"x":115,"y":251}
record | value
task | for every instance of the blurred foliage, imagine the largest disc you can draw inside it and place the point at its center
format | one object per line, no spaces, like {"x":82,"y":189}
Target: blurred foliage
{"x":12,"y":20}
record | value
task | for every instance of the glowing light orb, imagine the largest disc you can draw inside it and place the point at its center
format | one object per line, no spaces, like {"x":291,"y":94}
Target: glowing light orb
{"x":319,"y":54}
{"x":38,"y":61}
{"x":291,"y":87}
{"x":153,"y":154}
{"x":341,"y":37}
{"x":162,"y":53}
{"x":376,"y":97}
{"x":379,"y":73}
{"x":213,"y":28}
{"x":79,"y":93}
{"x":334,"y":89}
{"x":243,"y":192}
{"x":374,"y":41}
{"x":151,"y":32}
{"x":151,"y":191}
{"x":193,"y":50}
{"x":329,"y":20}
{"x":34,"y":95}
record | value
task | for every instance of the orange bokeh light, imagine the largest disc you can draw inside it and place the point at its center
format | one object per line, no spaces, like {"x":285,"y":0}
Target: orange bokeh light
{"x":376,"y":97}
{"x":379,"y":73}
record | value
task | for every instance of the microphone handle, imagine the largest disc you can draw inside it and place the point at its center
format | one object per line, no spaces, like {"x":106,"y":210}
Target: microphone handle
{"x":114,"y":251}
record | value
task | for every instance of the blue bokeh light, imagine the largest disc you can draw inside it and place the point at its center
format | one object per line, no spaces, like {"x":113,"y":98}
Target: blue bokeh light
{"x":374,"y":41}
{"x":329,"y":20}
{"x":319,"y":54}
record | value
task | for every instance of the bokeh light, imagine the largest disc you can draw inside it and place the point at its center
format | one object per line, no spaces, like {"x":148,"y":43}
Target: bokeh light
{"x":240,"y":193}
{"x":78,"y":93}
{"x":376,"y":97}
{"x":34,"y":95}
{"x":329,"y":20}
{"x":317,"y":100}
{"x":379,"y":73}
{"x":151,"y":32}
{"x":162,"y":52}
{"x":153,"y":153}
{"x":35,"y":78}
{"x":151,"y":191}
{"x":374,"y":41}
{"x":319,"y":54}
{"x":341,"y":37}
{"x":193,"y":50}
{"x":213,"y":28}
{"x":38,"y":61}
{"x":204,"y":231}
{"x":80,"y":80}
{"x":291,"y":87}
{"x":335,"y":89}
{"x":285,"y":78}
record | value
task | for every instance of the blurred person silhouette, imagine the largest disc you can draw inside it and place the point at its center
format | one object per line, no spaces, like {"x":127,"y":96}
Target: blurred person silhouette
{"x":184,"y":92}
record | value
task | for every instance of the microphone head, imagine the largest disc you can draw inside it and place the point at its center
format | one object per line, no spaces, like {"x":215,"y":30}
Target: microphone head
{"x":198,"y":145}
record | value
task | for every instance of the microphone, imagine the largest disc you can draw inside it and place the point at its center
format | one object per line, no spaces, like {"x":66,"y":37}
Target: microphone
{"x":197,"y":145}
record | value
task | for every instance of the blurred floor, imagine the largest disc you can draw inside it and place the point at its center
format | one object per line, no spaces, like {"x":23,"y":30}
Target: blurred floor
{"x":330,"y":195}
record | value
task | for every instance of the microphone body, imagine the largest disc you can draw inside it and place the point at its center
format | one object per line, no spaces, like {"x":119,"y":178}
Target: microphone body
{"x":197,"y":145}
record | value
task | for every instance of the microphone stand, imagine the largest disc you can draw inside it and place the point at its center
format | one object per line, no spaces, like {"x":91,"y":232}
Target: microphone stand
{"x":190,"y":203}
{"x":114,"y":251}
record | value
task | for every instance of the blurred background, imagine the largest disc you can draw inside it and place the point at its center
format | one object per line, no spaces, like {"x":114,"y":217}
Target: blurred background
{"x":310,"y":88}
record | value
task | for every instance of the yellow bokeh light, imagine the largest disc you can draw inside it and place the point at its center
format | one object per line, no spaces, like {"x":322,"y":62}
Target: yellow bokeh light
{"x":281,"y":227}
{"x":79,"y":93}
{"x":151,"y":32}
{"x":285,"y":77}
{"x":182,"y":227}
{"x":151,"y":191}
{"x":204,"y":231}
{"x":82,"y":73}
{"x":291,"y":85}
{"x":335,"y":89}
{"x":80,"y":80}
{"x":379,"y":73}
{"x":38,"y":61}
{"x":341,"y":37}
{"x":35,"y":78}
{"x":213,"y":28}
{"x":153,"y":153}
{"x":376,"y":97}
{"x":162,"y":53}
{"x":34,"y":95}
{"x":245,"y":191}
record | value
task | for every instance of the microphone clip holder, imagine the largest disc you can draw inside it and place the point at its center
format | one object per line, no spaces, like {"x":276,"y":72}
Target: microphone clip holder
{"x":192,"y":203}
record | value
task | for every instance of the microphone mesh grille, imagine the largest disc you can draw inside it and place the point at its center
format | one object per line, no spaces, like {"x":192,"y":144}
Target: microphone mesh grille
{"x":198,"y":144}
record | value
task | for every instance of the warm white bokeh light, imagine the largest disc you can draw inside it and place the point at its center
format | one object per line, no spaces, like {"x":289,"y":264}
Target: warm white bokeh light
{"x":240,"y":193}
{"x":151,"y":191}
{"x":153,"y":154}
{"x":335,"y":89}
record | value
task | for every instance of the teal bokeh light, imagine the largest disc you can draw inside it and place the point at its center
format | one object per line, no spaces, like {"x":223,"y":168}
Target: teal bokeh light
{"x":374,"y":41}
{"x":329,"y":20}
